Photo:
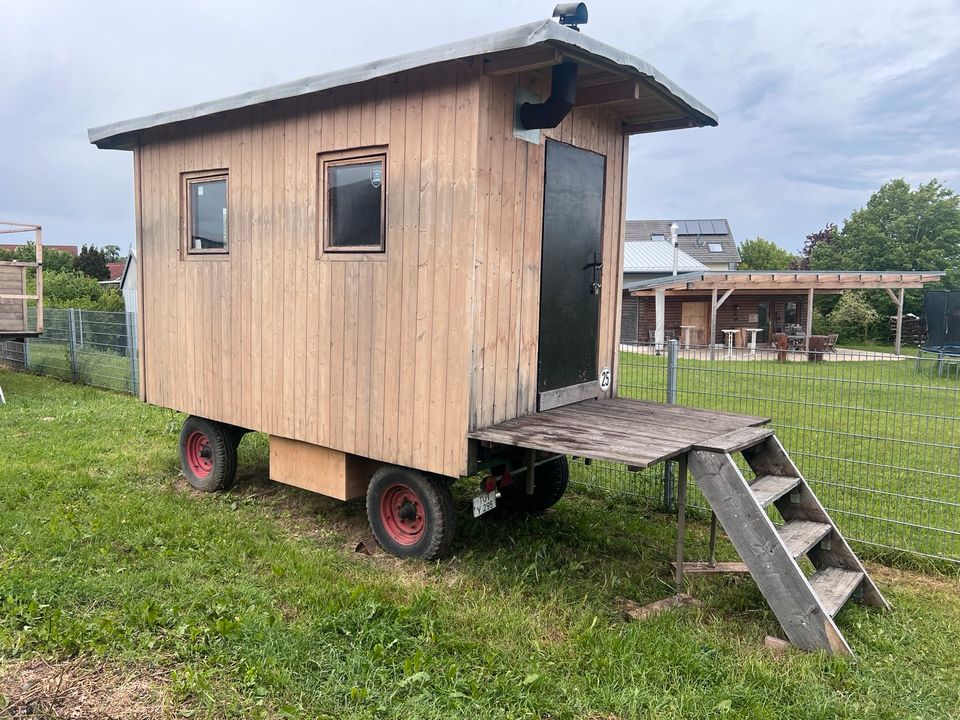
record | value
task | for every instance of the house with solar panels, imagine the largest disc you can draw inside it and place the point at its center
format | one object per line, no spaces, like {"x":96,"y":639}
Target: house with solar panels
{"x":702,"y":246}
{"x":709,"y":242}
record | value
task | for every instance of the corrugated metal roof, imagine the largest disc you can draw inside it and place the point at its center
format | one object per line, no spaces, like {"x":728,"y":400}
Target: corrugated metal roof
{"x":694,"y":236}
{"x":518,"y":38}
{"x":651,"y":257}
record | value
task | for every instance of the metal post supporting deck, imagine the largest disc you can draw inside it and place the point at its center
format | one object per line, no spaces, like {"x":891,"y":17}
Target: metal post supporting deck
{"x":673,"y":351}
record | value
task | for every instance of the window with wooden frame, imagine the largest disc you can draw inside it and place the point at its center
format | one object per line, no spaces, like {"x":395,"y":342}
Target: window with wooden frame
{"x":353,"y":201}
{"x":205,"y":213}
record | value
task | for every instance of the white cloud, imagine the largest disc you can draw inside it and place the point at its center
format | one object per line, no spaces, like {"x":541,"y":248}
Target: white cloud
{"x":819,"y":102}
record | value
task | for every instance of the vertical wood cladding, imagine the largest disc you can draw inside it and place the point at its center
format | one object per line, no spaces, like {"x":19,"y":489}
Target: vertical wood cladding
{"x":392,"y":356}
{"x":364,"y":354}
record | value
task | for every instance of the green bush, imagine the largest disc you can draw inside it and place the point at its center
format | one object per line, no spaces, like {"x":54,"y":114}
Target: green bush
{"x":74,"y":289}
{"x":854,"y":318}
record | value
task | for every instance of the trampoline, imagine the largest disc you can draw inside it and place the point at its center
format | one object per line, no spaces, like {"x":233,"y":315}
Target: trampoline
{"x":941,"y":313}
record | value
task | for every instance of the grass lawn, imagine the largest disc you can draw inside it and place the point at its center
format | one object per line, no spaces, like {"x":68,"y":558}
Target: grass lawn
{"x":878,"y":440}
{"x":108,"y":370}
{"x":253,"y":604}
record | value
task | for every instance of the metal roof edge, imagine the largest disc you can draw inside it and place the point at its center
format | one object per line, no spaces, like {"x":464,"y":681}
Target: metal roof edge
{"x":665,"y":280}
{"x":516,"y":38}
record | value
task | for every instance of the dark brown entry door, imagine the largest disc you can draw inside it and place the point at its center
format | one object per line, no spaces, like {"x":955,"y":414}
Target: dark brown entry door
{"x":570,"y":265}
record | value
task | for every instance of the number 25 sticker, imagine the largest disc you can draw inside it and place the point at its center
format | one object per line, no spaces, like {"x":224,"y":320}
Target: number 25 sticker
{"x":605,"y":379}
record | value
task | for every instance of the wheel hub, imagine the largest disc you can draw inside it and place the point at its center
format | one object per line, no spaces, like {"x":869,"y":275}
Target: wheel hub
{"x":199,"y":454}
{"x":401,"y":512}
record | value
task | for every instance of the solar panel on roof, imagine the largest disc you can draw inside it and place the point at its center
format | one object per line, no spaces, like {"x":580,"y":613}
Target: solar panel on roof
{"x":702,"y":227}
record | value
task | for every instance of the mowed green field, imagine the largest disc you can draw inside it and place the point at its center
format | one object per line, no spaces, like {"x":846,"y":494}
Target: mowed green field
{"x":253,"y":603}
{"x":878,"y":440}
{"x":108,"y":370}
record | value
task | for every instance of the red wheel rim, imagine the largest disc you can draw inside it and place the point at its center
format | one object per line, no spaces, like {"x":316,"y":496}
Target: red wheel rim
{"x":401,"y":513}
{"x":199,"y":455}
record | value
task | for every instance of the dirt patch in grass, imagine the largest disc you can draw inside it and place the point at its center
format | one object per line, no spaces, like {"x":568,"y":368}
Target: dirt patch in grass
{"x":80,"y":688}
{"x":925,"y":582}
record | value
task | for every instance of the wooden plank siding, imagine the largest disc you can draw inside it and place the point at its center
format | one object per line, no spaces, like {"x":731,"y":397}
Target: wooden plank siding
{"x":395,"y":356}
{"x":13,"y":281}
{"x":366,"y":355}
{"x":509,"y":236}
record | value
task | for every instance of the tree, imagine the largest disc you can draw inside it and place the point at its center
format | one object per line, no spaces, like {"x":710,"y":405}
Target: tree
{"x":91,"y":262}
{"x":853,"y":314}
{"x":52,"y":259}
{"x":899,"y":229}
{"x":75,"y":289}
{"x":111,"y":253}
{"x":763,"y":254}
{"x":820,"y":242}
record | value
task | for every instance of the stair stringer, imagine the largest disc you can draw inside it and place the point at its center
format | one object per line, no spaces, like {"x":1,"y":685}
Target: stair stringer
{"x":770,"y":457}
{"x":806,"y":622}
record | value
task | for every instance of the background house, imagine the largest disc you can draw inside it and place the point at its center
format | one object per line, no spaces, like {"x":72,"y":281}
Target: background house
{"x":645,"y":261}
{"x":116,"y":270}
{"x":128,"y":283}
{"x":707,"y":241}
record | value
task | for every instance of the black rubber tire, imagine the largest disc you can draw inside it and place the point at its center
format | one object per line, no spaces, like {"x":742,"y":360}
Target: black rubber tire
{"x":549,"y":484}
{"x":222,"y":454}
{"x":436,"y":508}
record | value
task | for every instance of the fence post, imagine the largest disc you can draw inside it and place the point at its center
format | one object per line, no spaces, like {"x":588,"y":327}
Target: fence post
{"x":673,"y":352}
{"x":72,"y":345}
{"x":132,"y":351}
{"x":26,"y":353}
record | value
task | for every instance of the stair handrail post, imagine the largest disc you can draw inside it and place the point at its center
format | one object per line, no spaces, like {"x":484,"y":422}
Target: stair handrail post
{"x":673,"y":353}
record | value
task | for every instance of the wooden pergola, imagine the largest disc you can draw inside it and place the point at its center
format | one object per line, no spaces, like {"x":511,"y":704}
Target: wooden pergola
{"x":722,"y":284}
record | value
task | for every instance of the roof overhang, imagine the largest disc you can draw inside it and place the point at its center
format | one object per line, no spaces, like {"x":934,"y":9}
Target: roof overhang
{"x":644,"y":97}
{"x":819,"y":281}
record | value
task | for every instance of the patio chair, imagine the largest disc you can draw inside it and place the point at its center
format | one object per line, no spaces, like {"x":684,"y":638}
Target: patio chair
{"x":831,"y":345}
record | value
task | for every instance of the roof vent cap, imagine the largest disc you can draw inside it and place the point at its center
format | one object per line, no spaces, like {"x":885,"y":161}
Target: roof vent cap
{"x":571,"y":14}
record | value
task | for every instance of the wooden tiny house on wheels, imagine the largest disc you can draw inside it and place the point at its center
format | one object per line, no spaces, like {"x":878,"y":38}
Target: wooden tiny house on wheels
{"x":407,"y":272}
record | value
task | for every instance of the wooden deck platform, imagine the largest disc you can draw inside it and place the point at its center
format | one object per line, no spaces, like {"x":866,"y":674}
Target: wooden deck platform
{"x":632,"y":432}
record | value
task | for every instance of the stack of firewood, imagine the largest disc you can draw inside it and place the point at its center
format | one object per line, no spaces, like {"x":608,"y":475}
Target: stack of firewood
{"x":913,"y":331}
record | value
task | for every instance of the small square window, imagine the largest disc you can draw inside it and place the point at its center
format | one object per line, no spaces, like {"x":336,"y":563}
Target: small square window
{"x":715,"y":247}
{"x":657,"y":237}
{"x":354,"y":204}
{"x":206,"y":213}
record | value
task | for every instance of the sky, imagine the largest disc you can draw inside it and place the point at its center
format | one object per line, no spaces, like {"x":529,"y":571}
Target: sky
{"x":819,"y":102}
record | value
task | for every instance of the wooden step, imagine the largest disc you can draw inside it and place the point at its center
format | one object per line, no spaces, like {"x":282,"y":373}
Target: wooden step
{"x":735,"y":441}
{"x":801,"y":535}
{"x":834,"y":586}
{"x":770,"y":488}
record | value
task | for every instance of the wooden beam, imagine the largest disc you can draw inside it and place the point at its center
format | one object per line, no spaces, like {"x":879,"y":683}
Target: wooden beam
{"x":899,"y":302}
{"x":713,"y":324}
{"x":10,"y":231}
{"x":39,"y":289}
{"x":809,"y":318}
{"x":543,"y":58}
{"x":723,"y":299}
{"x":657,"y":126}
{"x":607,"y":93}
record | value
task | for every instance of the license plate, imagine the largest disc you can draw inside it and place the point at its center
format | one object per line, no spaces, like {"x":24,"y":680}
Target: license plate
{"x":484,"y":503}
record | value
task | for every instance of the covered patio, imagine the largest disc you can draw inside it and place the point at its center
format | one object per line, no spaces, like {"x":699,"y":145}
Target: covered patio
{"x":715,"y":289}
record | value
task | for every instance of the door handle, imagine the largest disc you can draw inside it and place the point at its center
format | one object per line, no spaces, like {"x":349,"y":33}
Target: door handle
{"x":597,"y":266}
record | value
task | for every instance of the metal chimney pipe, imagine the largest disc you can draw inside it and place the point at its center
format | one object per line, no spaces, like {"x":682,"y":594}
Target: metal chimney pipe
{"x":674,"y":229}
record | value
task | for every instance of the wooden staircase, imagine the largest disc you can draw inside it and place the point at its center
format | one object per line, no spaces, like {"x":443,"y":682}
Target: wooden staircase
{"x":804,"y":605}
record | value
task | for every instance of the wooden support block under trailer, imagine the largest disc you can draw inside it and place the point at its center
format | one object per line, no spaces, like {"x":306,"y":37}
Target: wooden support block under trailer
{"x":409,"y":272}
